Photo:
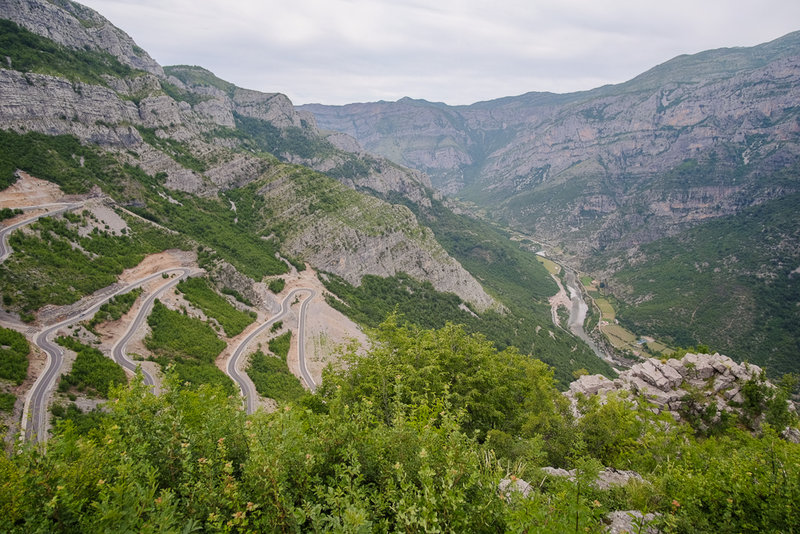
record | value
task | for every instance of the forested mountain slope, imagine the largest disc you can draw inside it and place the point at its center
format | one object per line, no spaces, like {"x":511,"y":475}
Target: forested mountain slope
{"x":600,"y":174}
{"x":239,"y":172}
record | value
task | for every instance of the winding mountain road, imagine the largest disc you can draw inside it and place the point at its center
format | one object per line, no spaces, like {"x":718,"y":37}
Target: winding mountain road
{"x":246,"y":385}
{"x":5,"y":249}
{"x":118,"y":350}
{"x":34,"y":414}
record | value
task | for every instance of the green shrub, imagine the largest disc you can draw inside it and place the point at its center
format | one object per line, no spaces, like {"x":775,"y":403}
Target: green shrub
{"x":7,"y":401}
{"x":280,"y":345}
{"x":276,"y":285}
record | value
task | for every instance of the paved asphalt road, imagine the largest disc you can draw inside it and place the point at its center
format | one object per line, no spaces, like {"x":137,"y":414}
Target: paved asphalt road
{"x":118,"y":351}
{"x":240,"y":377}
{"x":5,"y":250}
{"x":34,"y":415}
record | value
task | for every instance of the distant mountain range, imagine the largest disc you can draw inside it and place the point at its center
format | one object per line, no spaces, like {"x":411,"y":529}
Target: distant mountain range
{"x":599,"y":174}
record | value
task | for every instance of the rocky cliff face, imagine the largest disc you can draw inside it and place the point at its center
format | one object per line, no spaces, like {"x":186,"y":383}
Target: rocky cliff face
{"x":76,"y":26}
{"x":178,"y":123}
{"x":697,"y":137}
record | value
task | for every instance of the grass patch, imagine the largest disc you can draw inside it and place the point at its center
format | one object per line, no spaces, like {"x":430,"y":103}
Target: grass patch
{"x":606,"y":308}
{"x":199,"y":293}
{"x":551,"y":266}
{"x":92,"y":372}
{"x":14,"y":350}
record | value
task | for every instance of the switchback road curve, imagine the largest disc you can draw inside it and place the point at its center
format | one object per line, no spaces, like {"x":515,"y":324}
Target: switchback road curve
{"x":34,"y":414}
{"x":240,"y":377}
{"x":118,"y":351}
{"x":5,"y":249}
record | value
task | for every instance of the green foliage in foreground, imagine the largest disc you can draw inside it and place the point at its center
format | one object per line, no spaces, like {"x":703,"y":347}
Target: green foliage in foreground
{"x":272,"y":378}
{"x":72,"y":417}
{"x":188,"y":345}
{"x":14,"y":349}
{"x":394,"y":443}
{"x":91,"y":372}
{"x":199,"y":293}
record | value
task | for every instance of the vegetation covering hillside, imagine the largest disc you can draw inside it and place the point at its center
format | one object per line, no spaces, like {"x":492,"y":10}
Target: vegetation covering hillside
{"x":414,"y":436}
{"x":731,"y":283}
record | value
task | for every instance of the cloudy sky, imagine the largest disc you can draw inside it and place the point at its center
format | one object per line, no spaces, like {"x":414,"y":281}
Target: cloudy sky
{"x":453,"y":51}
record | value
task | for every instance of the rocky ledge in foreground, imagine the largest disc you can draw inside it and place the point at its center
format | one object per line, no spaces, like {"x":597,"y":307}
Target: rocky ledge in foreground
{"x":700,"y":383}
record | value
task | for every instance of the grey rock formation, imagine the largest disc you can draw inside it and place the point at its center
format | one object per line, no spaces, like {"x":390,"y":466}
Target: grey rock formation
{"x":606,"y":478}
{"x":513,"y":484}
{"x":666,"y":383}
{"x":630,"y":521}
{"x":79,"y":27}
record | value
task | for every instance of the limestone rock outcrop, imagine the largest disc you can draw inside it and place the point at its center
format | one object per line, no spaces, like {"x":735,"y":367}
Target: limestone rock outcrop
{"x":79,"y":27}
{"x":667,"y":384}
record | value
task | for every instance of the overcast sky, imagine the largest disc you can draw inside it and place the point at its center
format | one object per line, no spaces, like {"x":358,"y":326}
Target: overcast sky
{"x":453,"y":51}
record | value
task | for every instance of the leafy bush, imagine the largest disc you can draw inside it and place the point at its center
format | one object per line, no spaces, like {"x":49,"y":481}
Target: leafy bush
{"x":14,"y":350}
{"x":115,"y":308}
{"x":390,"y":449}
{"x":7,"y":213}
{"x":73,"y":419}
{"x":276,"y":285}
{"x":178,"y":336}
{"x":280,"y":345}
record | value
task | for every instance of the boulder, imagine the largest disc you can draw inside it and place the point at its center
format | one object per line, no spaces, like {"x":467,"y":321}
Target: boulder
{"x":589,"y":385}
{"x":513,"y":484}
{"x":630,"y":521}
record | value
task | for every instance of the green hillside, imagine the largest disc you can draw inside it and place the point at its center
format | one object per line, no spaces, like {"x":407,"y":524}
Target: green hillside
{"x":730,"y":283}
